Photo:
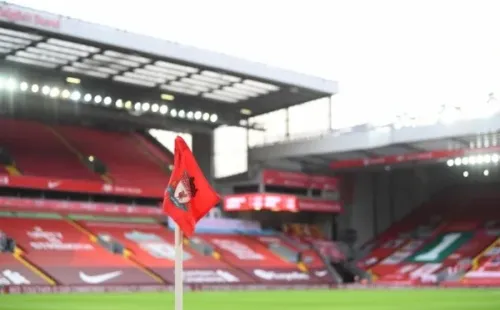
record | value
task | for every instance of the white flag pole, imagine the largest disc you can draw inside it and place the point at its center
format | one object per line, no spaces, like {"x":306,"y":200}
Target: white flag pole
{"x":179,"y":281}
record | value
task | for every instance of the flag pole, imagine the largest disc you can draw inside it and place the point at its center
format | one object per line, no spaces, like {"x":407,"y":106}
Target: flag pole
{"x":178,"y":285}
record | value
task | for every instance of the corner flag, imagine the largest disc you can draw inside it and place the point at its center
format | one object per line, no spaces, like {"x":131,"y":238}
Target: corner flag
{"x":187,"y":199}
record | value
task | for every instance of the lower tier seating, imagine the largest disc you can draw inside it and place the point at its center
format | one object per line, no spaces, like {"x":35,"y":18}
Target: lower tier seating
{"x":85,"y":250}
{"x":441,"y":241}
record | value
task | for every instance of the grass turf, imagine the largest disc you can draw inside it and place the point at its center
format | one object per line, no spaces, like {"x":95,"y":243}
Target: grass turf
{"x":476,"y":299}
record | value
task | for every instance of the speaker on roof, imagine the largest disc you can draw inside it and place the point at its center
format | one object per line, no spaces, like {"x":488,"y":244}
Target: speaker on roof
{"x":5,"y":157}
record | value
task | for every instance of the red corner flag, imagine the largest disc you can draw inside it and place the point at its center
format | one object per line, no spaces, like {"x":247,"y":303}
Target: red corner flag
{"x":189,"y":196}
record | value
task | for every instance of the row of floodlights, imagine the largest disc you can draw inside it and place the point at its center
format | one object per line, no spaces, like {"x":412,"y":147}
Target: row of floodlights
{"x":146,"y":107}
{"x":474,"y":160}
{"x":466,"y":173}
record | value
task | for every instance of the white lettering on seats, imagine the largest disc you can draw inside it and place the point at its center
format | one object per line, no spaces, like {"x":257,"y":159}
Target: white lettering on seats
{"x":425,"y":271}
{"x":209,"y":276}
{"x":321,"y":273}
{"x":54,"y":241}
{"x":238,"y":249}
{"x":407,"y":268}
{"x":281,"y":276}
{"x":12,"y":277}
{"x":434,"y":253}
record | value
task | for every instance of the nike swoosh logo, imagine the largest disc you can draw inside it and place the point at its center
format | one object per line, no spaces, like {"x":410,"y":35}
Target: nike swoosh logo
{"x":97,"y":279}
{"x":53,"y":184}
{"x":321,"y":273}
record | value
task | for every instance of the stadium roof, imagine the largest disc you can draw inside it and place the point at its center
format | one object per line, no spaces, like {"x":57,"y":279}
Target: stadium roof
{"x":198,"y":78}
{"x":367,"y":145}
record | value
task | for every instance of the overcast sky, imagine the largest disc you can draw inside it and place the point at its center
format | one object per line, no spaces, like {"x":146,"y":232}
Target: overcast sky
{"x":387,"y":55}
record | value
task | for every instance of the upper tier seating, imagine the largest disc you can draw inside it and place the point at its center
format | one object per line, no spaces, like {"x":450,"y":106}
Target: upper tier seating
{"x":127,"y":161}
{"x":37,"y":151}
{"x":164,"y":156}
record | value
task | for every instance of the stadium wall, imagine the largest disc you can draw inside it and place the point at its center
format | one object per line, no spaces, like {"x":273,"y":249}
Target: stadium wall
{"x":381,"y":198}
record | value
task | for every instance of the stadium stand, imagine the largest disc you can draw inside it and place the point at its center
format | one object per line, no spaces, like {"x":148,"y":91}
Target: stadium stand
{"x":267,"y":262}
{"x":454,"y":237}
{"x":486,"y":268}
{"x":66,"y":152}
{"x":310,"y":237}
{"x":14,"y":272}
{"x":38,"y":151}
{"x":439,"y":241}
{"x":62,"y":254}
{"x":152,"y":246}
{"x":135,"y":165}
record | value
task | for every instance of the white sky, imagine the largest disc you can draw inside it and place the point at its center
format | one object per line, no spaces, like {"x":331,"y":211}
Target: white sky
{"x":387,"y":55}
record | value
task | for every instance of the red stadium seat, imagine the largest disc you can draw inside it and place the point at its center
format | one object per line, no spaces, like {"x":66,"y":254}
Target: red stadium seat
{"x":38,"y":151}
{"x":252,"y":255}
{"x":14,"y":272}
{"x":127,"y":160}
{"x":68,"y":256}
{"x":438,"y":238}
{"x":153,"y":246}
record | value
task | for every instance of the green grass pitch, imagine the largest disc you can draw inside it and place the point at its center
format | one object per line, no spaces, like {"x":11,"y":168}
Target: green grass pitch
{"x":460,"y":299}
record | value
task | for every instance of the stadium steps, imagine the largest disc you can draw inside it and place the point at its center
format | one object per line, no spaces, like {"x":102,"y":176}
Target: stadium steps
{"x":328,"y":266}
{"x":156,"y":147}
{"x":200,"y":248}
{"x":476,"y":260}
{"x":376,"y":275}
{"x":71,"y":148}
{"x":107,"y":178}
{"x":126,"y":164}
{"x":153,"y":153}
{"x":300,"y":265}
{"x":127,"y":254}
{"x":12,"y":170}
{"x":216,"y":254}
{"x":19,"y":256}
{"x":130,"y":256}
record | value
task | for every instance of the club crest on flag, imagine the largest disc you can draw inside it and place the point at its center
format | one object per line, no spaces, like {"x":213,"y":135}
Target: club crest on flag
{"x":181,"y":191}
